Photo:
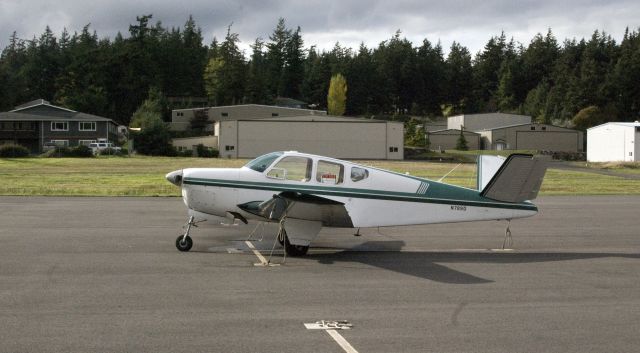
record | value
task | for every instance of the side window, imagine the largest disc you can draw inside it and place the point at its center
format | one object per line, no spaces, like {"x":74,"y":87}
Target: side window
{"x":358,"y":174}
{"x":330,"y":173}
{"x":292,"y":168}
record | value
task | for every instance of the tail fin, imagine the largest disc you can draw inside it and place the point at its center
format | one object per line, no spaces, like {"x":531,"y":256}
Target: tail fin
{"x":518,"y":179}
{"x":488,"y":166}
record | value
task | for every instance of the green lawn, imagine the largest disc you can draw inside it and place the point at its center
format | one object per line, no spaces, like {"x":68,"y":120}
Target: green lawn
{"x":144,"y":176}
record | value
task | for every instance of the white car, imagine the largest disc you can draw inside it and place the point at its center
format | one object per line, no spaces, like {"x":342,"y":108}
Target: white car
{"x":97,"y":147}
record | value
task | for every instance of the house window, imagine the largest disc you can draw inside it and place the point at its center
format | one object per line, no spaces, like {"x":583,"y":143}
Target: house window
{"x":87,"y":125}
{"x":22,"y":126}
{"x":59,"y":126}
{"x":544,"y":128}
{"x":180,"y":114}
{"x":61,"y":143}
{"x":86,"y":142}
{"x":229,"y":148}
{"x":533,"y":128}
{"x":274,"y":114}
{"x":393,"y":149}
{"x":224,"y":114}
{"x":630,"y":154}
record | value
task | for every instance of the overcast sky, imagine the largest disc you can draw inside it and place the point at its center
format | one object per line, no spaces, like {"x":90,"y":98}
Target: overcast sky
{"x":325,"y":22}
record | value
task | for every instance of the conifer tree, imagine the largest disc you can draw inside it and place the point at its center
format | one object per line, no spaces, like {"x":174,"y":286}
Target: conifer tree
{"x":461,"y":144}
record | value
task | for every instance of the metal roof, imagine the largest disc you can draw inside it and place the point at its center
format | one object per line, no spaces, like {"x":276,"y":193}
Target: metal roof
{"x":248,"y":105}
{"x":12,"y":116}
{"x":38,"y":102}
{"x":323,"y":118}
{"x":626,"y":124}
{"x":289,"y":101}
{"x":481,"y":114}
{"x":31,"y":104}
{"x":437,"y":132}
{"x":516,"y":125}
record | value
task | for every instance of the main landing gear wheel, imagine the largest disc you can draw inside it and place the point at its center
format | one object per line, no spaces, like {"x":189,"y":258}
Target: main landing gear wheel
{"x":184,"y":243}
{"x":294,"y":250}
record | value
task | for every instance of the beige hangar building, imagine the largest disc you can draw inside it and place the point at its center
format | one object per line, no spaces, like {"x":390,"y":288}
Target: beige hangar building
{"x":541,"y":137}
{"x":501,"y":131}
{"x":447,"y":139}
{"x":247,"y":131}
{"x":477,"y":122}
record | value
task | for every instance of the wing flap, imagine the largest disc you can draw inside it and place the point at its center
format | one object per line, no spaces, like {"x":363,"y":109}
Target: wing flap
{"x":301,"y":206}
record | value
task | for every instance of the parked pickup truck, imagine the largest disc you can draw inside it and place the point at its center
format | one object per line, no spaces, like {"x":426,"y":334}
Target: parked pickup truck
{"x":97,"y":147}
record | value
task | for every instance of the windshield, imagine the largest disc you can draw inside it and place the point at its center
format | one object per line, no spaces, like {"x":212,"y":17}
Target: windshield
{"x":261,"y":163}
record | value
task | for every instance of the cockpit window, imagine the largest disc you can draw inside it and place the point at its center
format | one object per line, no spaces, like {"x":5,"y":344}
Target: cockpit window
{"x":329,"y":172}
{"x":358,"y":174}
{"x":263,"y":162}
{"x":292,"y":168}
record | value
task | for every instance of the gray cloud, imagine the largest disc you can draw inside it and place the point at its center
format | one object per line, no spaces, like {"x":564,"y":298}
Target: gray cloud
{"x":324,"y":22}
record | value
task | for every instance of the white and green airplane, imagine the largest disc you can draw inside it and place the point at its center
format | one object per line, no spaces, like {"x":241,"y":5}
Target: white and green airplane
{"x":305,"y":192}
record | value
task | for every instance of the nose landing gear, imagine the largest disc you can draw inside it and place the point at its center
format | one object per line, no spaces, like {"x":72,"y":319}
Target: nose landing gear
{"x":184,"y":241}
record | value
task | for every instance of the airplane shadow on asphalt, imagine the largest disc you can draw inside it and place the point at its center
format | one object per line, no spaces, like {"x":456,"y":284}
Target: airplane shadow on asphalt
{"x":429,"y":265}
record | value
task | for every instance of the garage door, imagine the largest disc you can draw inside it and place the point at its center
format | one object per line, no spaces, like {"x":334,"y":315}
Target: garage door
{"x":547,"y":141}
{"x":334,"y":139}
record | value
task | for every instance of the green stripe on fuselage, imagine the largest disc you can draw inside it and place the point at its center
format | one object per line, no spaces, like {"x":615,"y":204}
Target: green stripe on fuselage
{"x":436,"y":193}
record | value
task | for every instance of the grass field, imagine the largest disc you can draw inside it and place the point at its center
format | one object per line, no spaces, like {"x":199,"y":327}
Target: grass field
{"x":144,"y":176}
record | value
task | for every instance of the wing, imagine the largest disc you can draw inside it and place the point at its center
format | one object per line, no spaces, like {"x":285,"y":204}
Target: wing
{"x":301,"y":206}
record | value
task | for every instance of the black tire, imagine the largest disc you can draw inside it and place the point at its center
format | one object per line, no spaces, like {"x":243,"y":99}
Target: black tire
{"x":294,"y":250}
{"x":184,"y":243}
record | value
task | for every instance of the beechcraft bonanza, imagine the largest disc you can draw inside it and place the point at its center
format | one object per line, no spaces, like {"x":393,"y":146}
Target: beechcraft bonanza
{"x":304,"y":192}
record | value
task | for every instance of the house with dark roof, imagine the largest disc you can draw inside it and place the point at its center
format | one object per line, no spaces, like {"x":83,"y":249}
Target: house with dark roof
{"x":38,"y":122}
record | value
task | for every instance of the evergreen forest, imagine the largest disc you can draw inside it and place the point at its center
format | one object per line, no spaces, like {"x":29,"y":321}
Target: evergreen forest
{"x":571,"y":82}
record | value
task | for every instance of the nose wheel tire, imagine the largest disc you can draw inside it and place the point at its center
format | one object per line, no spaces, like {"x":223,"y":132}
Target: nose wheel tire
{"x":294,"y":250}
{"x":184,"y":243}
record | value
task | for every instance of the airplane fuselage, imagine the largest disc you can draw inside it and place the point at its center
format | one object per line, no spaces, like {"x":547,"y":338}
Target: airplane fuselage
{"x":383,"y":198}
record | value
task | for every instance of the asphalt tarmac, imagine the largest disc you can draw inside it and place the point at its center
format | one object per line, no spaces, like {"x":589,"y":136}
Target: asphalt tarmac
{"x":103,"y":275}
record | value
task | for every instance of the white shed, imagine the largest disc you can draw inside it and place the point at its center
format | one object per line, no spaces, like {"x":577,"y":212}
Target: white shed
{"x":614,"y":142}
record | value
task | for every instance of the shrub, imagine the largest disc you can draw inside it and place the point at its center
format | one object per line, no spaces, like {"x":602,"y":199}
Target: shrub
{"x":207,"y":152}
{"x":81,"y":151}
{"x":13,"y":151}
{"x":154,"y":140}
{"x":109,"y":152}
{"x":60,"y":151}
{"x":461,"y":144}
{"x":185,"y":153}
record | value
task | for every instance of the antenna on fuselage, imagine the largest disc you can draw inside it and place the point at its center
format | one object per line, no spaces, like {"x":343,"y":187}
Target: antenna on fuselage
{"x":454,"y":168}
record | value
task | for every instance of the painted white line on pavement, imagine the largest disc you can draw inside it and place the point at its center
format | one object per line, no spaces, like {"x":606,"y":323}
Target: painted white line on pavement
{"x":263,"y":261}
{"x":341,"y":341}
